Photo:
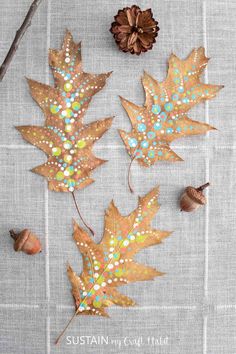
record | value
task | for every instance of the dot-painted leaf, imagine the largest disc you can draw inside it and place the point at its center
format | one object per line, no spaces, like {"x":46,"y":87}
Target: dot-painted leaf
{"x":64,"y":138}
{"x":163,"y":118}
{"x":110,"y":263}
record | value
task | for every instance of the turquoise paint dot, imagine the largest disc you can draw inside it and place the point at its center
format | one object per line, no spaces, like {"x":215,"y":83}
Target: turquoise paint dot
{"x":157,"y":126}
{"x":175,"y":97}
{"x":139,"y":118}
{"x":156,"y":108}
{"x":178,"y":129}
{"x":168,"y":106}
{"x":151,"y":154}
{"x":132,"y":142}
{"x":169,"y":130}
{"x":141,"y":127}
{"x":163,"y":116}
{"x":144,"y":144}
{"x":176,"y":80}
{"x":138,"y":154}
{"x":160,"y":153}
{"x":151,"y":135}
{"x":181,"y":89}
{"x":155,"y":97}
{"x":185,"y":100}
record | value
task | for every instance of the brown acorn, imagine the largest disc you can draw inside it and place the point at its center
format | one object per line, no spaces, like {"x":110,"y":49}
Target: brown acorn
{"x":26,"y":242}
{"x":193,"y":198}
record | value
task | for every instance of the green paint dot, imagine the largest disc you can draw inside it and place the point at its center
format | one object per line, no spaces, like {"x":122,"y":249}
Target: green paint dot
{"x":118,"y":272}
{"x":97,"y":304}
{"x":56,"y":151}
{"x":81,"y":144}
{"x":140,"y":238}
{"x":59,"y":176}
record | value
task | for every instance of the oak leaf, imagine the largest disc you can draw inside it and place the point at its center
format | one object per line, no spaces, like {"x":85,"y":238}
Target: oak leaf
{"x":64,"y":138}
{"x":163,"y":118}
{"x":110,"y":263}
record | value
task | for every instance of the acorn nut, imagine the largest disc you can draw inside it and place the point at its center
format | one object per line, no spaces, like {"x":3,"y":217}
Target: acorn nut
{"x":193,"y":198}
{"x":26,"y":241}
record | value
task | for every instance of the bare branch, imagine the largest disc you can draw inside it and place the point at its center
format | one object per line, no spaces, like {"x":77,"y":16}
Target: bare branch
{"x":19,"y":34}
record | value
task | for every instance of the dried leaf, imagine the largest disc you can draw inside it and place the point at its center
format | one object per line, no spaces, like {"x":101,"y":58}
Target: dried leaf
{"x":163,"y":118}
{"x":110,"y":263}
{"x":64,"y":138}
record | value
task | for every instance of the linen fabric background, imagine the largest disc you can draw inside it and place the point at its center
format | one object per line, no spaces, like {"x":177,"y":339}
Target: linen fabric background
{"x":194,"y":303}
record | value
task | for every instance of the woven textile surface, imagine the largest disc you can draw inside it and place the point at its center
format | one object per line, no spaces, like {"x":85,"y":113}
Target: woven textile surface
{"x":190,"y":310}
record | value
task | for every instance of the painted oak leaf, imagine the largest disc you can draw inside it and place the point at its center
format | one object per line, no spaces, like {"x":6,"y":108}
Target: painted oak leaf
{"x":110,"y":263}
{"x":64,"y":138}
{"x":163,"y":118}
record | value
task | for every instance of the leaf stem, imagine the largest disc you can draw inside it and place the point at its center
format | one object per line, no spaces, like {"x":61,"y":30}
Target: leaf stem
{"x":129,"y":175}
{"x":81,"y":217}
{"x":18,"y":36}
{"x":61,"y":334}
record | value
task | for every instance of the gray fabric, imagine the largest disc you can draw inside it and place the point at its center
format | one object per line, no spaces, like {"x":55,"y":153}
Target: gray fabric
{"x":194,"y":303}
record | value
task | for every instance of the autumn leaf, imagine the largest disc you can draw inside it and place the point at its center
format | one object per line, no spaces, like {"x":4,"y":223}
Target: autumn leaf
{"x":110,"y":263}
{"x":64,"y":138}
{"x":163,"y":118}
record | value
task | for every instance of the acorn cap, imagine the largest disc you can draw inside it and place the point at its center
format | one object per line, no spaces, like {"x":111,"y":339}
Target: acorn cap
{"x":20,"y":241}
{"x":196,"y":195}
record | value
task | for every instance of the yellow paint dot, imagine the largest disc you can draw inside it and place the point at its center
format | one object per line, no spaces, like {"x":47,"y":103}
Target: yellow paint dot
{"x":54,"y":109}
{"x":70,"y":171}
{"x":67,"y":87}
{"x":76,"y":106}
{"x":81,"y":144}
{"x":68,"y":128}
{"x":68,"y":113}
{"x":68,"y":158}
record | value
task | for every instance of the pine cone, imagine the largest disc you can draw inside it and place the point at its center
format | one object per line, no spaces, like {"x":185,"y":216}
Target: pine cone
{"x":134,"y":30}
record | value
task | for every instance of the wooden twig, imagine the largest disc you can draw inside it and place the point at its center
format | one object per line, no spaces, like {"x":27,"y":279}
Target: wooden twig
{"x":19,"y":34}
